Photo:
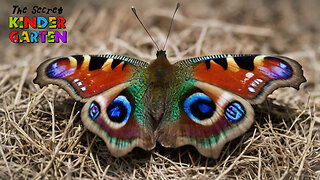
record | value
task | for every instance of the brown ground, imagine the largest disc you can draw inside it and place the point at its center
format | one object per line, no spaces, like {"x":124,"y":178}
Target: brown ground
{"x":42,"y":135}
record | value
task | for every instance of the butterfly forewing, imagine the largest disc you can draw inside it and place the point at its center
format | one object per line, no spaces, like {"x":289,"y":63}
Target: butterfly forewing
{"x":252,"y":77}
{"x":84,"y":76}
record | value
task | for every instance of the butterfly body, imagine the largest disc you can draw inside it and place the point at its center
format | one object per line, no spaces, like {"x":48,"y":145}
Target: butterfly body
{"x":160,"y":73}
{"x":204,"y":101}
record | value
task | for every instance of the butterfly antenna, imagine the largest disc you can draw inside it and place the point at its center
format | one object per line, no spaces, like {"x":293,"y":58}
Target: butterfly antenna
{"x":175,"y":11}
{"x":135,"y":13}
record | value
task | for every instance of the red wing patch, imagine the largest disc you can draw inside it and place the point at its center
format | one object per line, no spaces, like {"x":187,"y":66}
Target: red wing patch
{"x":248,"y":76}
{"x":85,"y":76}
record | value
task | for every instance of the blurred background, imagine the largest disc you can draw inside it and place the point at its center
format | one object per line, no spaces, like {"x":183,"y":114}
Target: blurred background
{"x":218,"y":26}
{"x":287,"y":27}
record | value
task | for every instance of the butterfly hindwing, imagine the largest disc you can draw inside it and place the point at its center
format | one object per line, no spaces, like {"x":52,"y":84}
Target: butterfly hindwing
{"x":114,"y":89}
{"x":119,"y":116}
{"x":204,"y":116}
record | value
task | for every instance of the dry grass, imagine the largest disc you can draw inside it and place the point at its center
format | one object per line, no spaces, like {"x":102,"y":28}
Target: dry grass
{"x":41,"y":131}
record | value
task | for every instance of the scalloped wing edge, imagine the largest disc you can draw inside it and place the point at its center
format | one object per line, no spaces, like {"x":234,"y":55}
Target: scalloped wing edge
{"x":225,"y":136}
{"x":42,"y":80}
{"x":294,"y":81}
{"x":96,"y":129}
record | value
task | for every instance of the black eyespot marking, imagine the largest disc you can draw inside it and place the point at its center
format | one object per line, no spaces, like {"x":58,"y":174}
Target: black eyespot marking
{"x":119,"y":110}
{"x":96,"y":63}
{"x":208,"y":64}
{"x":79,"y":59}
{"x":245,"y":62}
{"x":115,"y":63}
{"x":222,"y":62}
{"x":124,"y":64}
{"x":199,"y":106}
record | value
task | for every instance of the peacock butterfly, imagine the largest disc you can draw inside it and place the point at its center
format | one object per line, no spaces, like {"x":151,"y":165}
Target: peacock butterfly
{"x":202,"y":101}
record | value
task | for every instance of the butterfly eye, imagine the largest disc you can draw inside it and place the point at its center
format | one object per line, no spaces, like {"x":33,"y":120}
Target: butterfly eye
{"x":199,"y":106}
{"x":94,"y":110}
{"x":234,"y":111}
{"x":119,"y":110}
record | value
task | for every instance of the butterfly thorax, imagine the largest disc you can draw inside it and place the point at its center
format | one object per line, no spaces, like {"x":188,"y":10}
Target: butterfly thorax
{"x":160,"y":70}
{"x":160,"y":76}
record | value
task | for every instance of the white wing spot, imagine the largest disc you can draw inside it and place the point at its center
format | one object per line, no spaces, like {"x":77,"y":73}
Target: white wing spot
{"x":251,"y":89}
{"x":255,"y":84}
{"x":258,"y":81}
{"x":83,"y":89}
{"x":249,"y":75}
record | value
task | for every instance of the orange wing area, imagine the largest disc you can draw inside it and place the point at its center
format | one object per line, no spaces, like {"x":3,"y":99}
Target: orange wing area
{"x":86,"y":76}
{"x":249,"y":75}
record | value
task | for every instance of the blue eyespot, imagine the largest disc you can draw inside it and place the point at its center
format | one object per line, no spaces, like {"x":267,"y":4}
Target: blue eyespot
{"x":199,"y":106}
{"x":119,"y":110}
{"x":59,"y":71}
{"x":94,"y":110}
{"x":234,"y":111}
{"x":282,"y":71}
